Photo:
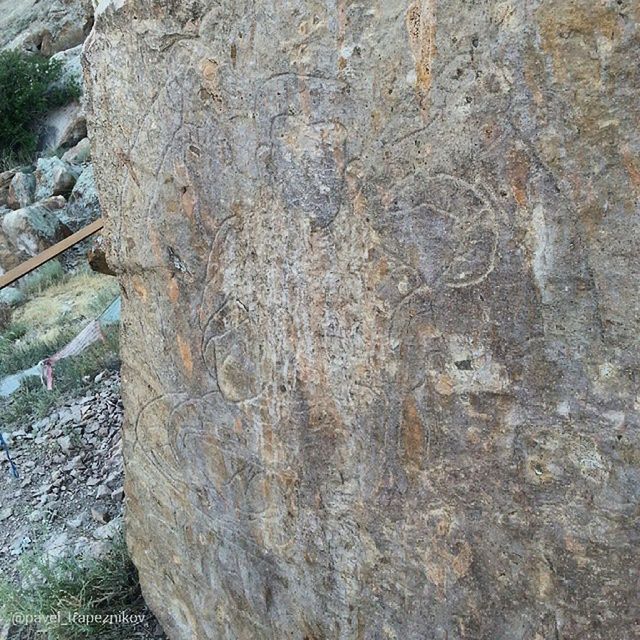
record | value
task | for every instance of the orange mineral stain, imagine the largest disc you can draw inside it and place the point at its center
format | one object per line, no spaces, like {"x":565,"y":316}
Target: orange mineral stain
{"x":421,"y":26}
{"x":185,"y":354}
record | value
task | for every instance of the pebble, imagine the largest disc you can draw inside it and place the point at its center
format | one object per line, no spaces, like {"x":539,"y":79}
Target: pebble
{"x":6,"y":513}
{"x":103,"y":491}
{"x":99,"y":515}
{"x":65,"y":444}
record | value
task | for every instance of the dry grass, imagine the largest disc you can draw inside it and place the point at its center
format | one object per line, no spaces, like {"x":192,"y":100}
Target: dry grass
{"x":63,"y":306}
{"x":74,"y":600}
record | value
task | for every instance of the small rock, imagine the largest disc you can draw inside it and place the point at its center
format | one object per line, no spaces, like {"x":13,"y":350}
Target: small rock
{"x":103,"y":491}
{"x":96,"y":549}
{"x":19,"y":544}
{"x":99,"y":515}
{"x":43,"y":489}
{"x":6,"y":513}
{"x":118,"y":494}
{"x":114,"y":479}
{"x":92,"y":427}
{"x":80,"y":546}
{"x":108,"y":531}
{"x":41,"y":424}
{"x":74,"y":463}
{"x":65,"y":444}
{"x":55,"y":547}
{"x":77,"y":522}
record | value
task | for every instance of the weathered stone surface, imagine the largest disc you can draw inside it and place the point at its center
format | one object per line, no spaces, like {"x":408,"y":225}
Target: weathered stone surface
{"x":10,"y":257}
{"x":44,"y":27}
{"x":97,"y":257}
{"x":21,"y":190}
{"x":380,"y":325}
{"x":63,"y":127}
{"x":78,"y":154}
{"x":54,"y":177}
{"x":83,"y":206}
{"x":71,"y":60}
{"x":5,"y":184}
{"x":33,"y":229}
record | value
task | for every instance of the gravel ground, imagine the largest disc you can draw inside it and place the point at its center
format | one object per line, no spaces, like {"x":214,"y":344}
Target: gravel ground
{"x":68,"y":500}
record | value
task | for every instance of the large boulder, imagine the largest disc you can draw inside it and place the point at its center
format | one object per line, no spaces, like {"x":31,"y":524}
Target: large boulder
{"x":79,"y":153}
{"x":10,"y":256}
{"x":32,"y":229}
{"x":44,"y":27}
{"x":63,"y":127}
{"x":71,"y":60}
{"x":83,"y":205}
{"x":54,"y":177}
{"x":21,"y":190}
{"x":381,"y":308}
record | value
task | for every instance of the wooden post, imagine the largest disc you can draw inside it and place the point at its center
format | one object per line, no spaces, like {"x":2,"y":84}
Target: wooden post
{"x":48,"y":254}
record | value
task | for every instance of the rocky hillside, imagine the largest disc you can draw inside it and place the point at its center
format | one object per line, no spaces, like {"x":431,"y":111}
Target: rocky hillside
{"x":43,"y":203}
{"x":47,"y":199}
{"x":381,"y":308}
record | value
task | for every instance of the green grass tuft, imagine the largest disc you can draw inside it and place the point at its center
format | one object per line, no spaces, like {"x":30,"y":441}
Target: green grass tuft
{"x":33,"y":402}
{"x":62,"y":601}
{"x":42,"y":278}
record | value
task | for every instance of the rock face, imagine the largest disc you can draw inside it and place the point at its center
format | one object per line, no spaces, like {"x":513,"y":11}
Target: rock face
{"x":380,"y":328}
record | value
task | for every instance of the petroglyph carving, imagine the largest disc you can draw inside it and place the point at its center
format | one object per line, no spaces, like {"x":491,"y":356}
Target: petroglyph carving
{"x":445,"y":228}
{"x":305,"y":152}
{"x":308,"y":161}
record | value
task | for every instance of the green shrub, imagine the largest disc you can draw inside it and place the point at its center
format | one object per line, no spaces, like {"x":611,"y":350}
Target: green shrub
{"x":28,"y":88}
